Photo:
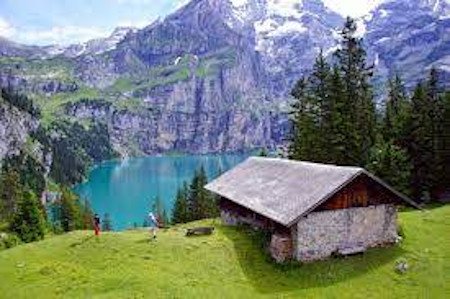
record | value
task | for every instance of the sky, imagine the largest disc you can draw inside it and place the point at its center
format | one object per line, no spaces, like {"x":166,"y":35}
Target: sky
{"x":44,"y":22}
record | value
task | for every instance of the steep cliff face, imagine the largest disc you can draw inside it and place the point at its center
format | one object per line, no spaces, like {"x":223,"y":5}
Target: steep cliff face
{"x":410,"y":37}
{"x":193,"y":129}
{"x":15,"y":127}
{"x":203,"y":82}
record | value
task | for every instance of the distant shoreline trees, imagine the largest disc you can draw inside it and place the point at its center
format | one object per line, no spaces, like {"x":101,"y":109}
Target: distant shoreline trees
{"x":193,"y":202}
{"x":335,"y":121}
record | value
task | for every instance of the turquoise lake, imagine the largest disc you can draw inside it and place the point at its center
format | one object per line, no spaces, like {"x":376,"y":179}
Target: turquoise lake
{"x":126,"y":189}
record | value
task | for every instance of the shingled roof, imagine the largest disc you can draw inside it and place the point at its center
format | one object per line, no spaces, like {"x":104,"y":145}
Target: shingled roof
{"x":284,"y":190}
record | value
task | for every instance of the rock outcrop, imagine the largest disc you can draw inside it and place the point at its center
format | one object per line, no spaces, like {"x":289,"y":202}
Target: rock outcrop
{"x":15,"y":127}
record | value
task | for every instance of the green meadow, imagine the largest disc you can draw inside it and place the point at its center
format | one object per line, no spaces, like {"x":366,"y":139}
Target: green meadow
{"x":228,"y":264}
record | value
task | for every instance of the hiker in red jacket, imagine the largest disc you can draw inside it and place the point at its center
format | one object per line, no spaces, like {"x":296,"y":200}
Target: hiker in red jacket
{"x":96,"y":225}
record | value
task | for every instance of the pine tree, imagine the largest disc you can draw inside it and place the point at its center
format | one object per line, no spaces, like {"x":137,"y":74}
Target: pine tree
{"x":320,"y":104}
{"x":87,"y":215}
{"x":201,"y":203}
{"x":333,"y":114}
{"x":389,"y":157}
{"x":192,"y":199}
{"x":421,"y":144}
{"x":444,"y":137}
{"x":107,"y":223}
{"x":391,"y":163}
{"x":204,"y":200}
{"x":69,"y":211}
{"x":28,"y":222}
{"x":304,"y":131}
{"x":11,"y":193}
{"x":436,"y":101}
{"x":180,"y":209}
{"x":339,"y":125}
{"x":311,"y":114}
{"x":398,"y":110}
{"x":356,"y":74}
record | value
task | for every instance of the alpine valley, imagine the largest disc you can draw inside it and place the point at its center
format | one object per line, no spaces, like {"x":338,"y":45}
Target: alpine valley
{"x":213,"y":76}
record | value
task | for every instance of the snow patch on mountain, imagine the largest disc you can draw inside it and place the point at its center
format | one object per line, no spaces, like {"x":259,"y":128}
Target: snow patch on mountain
{"x":91,"y":47}
{"x":285,"y":8}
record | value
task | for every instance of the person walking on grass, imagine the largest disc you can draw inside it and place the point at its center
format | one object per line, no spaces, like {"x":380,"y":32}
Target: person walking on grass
{"x":97,"y":225}
{"x":154,"y":223}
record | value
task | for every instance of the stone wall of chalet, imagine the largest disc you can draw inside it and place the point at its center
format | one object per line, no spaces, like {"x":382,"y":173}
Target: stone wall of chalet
{"x":320,"y":234}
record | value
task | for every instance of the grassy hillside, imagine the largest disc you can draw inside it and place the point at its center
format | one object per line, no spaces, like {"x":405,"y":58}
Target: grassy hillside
{"x":227,"y":264}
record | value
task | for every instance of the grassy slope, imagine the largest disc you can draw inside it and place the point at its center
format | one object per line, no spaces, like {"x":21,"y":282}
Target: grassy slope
{"x":226,"y":264}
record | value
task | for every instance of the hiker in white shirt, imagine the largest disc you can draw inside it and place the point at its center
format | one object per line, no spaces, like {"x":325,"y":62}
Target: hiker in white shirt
{"x":153,"y":221}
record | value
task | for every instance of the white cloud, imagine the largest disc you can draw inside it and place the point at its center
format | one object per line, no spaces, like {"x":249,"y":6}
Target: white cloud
{"x":61,"y":35}
{"x":6,"y":29}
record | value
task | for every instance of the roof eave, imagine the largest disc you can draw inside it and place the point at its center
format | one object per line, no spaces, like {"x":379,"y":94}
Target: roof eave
{"x":208,"y":187}
{"x":324,"y":199}
{"x":362,"y":171}
{"x":387,"y":186}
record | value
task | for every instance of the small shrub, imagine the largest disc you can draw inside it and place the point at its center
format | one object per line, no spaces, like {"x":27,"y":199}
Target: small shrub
{"x":8,"y":241}
{"x":28,"y":222}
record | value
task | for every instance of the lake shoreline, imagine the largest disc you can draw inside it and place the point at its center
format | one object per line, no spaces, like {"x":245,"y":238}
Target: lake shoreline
{"x":125,"y":188}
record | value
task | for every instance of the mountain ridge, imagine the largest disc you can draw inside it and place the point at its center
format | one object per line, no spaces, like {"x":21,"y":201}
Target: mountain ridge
{"x":215,"y":75}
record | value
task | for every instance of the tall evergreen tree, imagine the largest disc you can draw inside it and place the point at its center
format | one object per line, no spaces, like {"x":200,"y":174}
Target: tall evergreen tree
{"x":69,"y":212}
{"x":28,"y":222}
{"x":333,"y":114}
{"x":201,"y":203}
{"x":389,"y":157}
{"x":87,"y":215}
{"x":320,"y":106}
{"x":444,"y":137}
{"x":180,"y":213}
{"x":356,"y":74}
{"x":304,"y":132}
{"x":397,"y":113}
{"x":426,"y":130}
{"x":11,"y":192}
{"x":31,"y":173}
{"x":421,"y":144}
{"x":391,"y":163}
{"x":436,"y":101}
{"x":339,"y":126}
{"x":204,"y":198}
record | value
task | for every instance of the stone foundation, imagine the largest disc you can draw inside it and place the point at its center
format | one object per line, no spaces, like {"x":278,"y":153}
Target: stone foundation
{"x":229,"y":219}
{"x":320,"y":234}
{"x":232,"y":219}
{"x":281,"y":248}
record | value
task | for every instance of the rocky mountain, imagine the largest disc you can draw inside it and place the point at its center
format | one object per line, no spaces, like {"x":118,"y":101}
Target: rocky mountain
{"x":11,"y":49}
{"x":409,"y":37}
{"x":215,"y":75}
{"x":288,"y":35}
{"x":15,"y":127}
{"x":201,"y":79}
{"x":92,"y":47}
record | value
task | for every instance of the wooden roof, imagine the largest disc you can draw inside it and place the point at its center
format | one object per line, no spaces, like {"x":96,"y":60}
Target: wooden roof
{"x":284,"y":190}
